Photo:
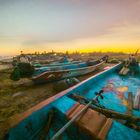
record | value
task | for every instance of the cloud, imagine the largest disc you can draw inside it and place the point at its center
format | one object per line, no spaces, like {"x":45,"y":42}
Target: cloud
{"x":38,"y":41}
{"x":125,"y":32}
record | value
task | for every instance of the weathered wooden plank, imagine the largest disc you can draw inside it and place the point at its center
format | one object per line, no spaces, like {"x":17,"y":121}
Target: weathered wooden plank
{"x":130,"y":103}
{"x":89,"y":119}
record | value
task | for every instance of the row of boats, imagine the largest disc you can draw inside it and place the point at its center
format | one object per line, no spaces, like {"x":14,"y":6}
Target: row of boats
{"x":56,"y":71}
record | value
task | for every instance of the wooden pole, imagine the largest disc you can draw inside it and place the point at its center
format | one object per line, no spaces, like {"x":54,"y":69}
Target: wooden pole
{"x":130,"y":103}
{"x":113,"y":114}
{"x":107,"y":112}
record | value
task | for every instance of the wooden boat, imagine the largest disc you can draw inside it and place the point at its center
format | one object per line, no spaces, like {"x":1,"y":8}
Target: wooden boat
{"x":47,"y":74}
{"x":63,"y":117}
{"x":51,"y":73}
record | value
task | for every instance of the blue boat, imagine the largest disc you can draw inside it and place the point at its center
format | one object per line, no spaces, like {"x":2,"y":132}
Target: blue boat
{"x":53,"y":73}
{"x":47,"y":74}
{"x":63,"y":117}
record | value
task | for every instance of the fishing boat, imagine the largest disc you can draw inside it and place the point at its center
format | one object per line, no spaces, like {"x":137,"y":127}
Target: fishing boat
{"x":96,"y":108}
{"x":51,"y":73}
{"x":47,"y":74}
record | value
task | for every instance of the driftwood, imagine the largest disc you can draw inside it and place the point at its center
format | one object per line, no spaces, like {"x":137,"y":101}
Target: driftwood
{"x":107,"y":112}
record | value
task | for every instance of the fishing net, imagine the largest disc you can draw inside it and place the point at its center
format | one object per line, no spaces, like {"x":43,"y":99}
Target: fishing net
{"x":22,"y":70}
{"x":15,"y":75}
{"x":26,"y":69}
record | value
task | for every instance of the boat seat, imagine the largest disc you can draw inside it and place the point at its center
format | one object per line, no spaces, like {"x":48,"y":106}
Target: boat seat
{"x":91,"y":122}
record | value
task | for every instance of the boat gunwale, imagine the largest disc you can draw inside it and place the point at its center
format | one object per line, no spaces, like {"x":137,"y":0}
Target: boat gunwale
{"x":16,"y":119}
{"x":67,"y":70}
{"x":63,"y":64}
{"x":59,"y":66}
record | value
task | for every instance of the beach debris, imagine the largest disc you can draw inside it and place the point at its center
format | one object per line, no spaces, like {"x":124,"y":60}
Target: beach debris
{"x":17,"y":94}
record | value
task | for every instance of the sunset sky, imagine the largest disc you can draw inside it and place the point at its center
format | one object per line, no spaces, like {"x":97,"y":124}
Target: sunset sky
{"x":72,"y":25}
